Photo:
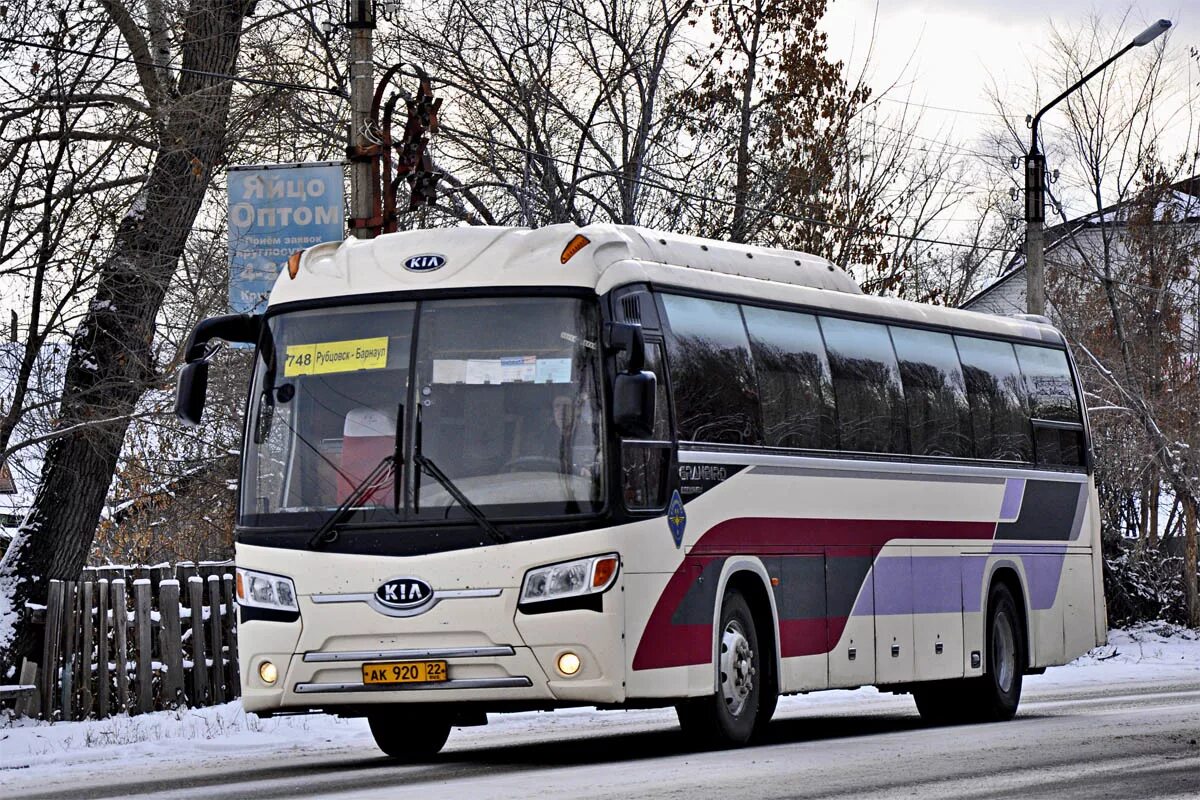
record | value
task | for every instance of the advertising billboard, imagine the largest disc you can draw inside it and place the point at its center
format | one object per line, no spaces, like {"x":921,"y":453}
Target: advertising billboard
{"x":275,"y":210}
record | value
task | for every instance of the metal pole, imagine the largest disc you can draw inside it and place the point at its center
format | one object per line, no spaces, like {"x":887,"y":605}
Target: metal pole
{"x":360,"y":20}
{"x":1035,"y":218}
{"x":1035,"y":180}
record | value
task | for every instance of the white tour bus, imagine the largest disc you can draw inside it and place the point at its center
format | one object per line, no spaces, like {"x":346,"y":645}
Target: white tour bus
{"x":495,"y":469}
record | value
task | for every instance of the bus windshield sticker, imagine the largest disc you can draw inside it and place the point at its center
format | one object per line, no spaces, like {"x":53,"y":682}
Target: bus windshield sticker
{"x":518,"y":369}
{"x":484,"y":371}
{"x":323,"y":358}
{"x":573,"y":339}
{"x":449,"y":370}
{"x":676,"y":518}
{"x":553,"y":370}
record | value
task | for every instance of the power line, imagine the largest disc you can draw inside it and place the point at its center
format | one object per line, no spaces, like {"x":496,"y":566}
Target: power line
{"x":221,"y":75}
{"x":731,"y":203}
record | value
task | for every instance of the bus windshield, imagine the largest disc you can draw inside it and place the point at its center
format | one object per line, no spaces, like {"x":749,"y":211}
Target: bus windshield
{"x":502,"y":396}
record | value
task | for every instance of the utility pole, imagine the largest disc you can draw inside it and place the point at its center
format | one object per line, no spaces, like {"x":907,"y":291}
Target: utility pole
{"x":1035,"y":181}
{"x":360,"y":20}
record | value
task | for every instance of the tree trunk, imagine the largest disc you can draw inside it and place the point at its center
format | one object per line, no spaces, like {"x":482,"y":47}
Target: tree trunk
{"x":111,"y":361}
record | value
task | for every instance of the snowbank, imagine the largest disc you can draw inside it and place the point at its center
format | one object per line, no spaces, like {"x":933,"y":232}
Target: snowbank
{"x":196,"y":737}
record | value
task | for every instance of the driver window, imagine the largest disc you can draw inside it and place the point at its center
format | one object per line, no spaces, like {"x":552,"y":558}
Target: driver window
{"x":644,"y":463}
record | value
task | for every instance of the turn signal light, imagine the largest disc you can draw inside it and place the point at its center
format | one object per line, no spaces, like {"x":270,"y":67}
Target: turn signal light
{"x":577,"y":243}
{"x":603,"y":571}
{"x":294,"y":264}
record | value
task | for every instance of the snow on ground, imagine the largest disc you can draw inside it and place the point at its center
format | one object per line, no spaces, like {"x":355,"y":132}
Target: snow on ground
{"x":195,"y":737}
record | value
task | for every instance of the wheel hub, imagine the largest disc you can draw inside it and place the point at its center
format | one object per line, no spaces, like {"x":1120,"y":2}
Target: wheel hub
{"x":737,"y":668}
{"x":1004,"y":652}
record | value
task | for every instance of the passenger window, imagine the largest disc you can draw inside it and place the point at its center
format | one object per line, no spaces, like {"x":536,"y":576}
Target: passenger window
{"x":1048,"y":383}
{"x":1052,"y":399}
{"x":939,"y":417}
{"x":866,"y":384}
{"x":999,"y":413}
{"x":793,"y":379}
{"x":716,"y":396}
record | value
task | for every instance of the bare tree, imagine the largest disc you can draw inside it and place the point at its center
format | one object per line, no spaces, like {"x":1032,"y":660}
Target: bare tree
{"x":179,"y":56}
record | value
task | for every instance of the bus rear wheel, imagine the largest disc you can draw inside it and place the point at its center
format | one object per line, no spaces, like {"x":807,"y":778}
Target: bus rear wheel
{"x":409,"y":735}
{"x":995,"y":695}
{"x":729,"y":717}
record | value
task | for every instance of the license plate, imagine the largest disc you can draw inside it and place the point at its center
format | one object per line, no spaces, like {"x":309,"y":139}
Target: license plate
{"x":404,"y":672}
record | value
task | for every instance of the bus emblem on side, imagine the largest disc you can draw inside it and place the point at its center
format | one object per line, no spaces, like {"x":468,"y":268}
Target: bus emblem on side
{"x":425,"y":263}
{"x":404,"y":593}
{"x":676,"y":518}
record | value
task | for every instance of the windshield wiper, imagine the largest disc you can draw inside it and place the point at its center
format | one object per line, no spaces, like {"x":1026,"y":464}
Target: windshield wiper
{"x":389,"y":466}
{"x":424,"y":464}
{"x":375,"y":479}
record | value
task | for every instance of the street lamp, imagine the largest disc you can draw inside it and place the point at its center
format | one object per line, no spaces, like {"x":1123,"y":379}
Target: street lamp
{"x":1035,"y":180}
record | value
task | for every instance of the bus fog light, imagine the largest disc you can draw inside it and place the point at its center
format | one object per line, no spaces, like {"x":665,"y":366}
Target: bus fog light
{"x":569,"y":663}
{"x":268,"y":672}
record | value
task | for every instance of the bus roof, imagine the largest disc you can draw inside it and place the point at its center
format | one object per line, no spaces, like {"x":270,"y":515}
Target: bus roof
{"x":615,"y":255}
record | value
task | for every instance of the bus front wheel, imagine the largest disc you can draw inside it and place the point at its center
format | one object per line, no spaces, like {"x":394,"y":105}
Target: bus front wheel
{"x":728,"y":717}
{"x":409,"y":735}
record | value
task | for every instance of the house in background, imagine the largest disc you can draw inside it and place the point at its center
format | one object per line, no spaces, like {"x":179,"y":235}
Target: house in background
{"x":1069,"y":245}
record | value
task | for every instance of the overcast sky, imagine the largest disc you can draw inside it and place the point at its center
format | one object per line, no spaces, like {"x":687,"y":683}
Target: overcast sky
{"x":948,"y":51}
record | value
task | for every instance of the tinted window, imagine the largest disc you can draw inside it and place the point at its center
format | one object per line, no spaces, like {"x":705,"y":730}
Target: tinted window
{"x":644,"y":464}
{"x":711,"y":375}
{"x":866,"y":383}
{"x":1052,"y":396}
{"x":1048,"y":383}
{"x":999,"y":417}
{"x":793,"y":379}
{"x":939,"y":420}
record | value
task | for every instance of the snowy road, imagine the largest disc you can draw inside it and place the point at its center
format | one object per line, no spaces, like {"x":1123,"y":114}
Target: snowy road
{"x":1122,"y":723}
{"x":1080,"y":742}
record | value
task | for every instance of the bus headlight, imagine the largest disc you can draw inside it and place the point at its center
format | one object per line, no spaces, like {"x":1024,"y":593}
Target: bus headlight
{"x":592,"y":575}
{"x":263,"y":590}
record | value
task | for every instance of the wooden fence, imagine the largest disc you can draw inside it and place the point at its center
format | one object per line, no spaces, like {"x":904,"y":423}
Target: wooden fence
{"x":136,"y":639}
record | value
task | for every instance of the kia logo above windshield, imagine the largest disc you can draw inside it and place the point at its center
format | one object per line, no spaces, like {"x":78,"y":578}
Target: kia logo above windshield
{"x":425,"y":263}
{"x":404,"y":593}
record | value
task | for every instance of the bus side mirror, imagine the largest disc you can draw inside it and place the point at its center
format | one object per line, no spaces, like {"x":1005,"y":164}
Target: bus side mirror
{"x":193,"y":378}
{"x":633,"y":404}
{"x":190,"y":393}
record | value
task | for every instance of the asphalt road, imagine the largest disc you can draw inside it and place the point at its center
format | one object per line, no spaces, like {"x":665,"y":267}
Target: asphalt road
{"x":1129,"y":741}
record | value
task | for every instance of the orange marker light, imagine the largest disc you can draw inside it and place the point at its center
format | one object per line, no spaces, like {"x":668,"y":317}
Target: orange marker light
{"x":603,"y":572}
{"x":294,"y":264}
{"x":241,"y":593}
{"x":577,"y":243}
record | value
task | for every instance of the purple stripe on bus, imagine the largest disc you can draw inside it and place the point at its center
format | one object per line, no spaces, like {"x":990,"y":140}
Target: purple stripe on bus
{"x":893,"y":585}
{"x":1010,"y":506}
{"x":935,"y":581}
{"x":972,"y":582}
{"x":1043,"y":571}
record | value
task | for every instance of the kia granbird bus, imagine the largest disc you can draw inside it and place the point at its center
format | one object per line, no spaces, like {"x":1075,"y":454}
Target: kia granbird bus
{"x":494,"y":469}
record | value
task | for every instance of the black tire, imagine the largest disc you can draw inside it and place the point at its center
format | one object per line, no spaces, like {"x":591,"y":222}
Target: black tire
{"x":409,"y":735}
{"x":729,"y":718}
{"x":994,"y":697}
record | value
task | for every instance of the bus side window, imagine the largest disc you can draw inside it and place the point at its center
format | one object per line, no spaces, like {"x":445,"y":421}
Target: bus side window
{"x":996,"y":393}
{"x":793,"y":379}
{"x":644,"y":463}
{"x":712,"y":376}
{"x":866,"y":383}
{"x":1052,"y":399}
{"x":939,"y":417}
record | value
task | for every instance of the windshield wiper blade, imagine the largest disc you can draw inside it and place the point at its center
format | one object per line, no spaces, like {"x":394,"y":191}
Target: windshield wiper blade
{"x":435,"y":472}
{"x":374,"y":480}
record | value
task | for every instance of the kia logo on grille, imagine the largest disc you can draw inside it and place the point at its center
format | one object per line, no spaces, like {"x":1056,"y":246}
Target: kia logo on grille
{"x":425,"y":263}
{"x":404,"y":593}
